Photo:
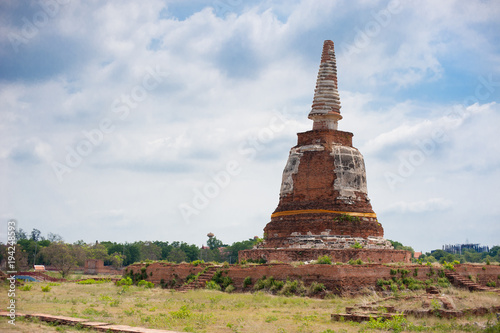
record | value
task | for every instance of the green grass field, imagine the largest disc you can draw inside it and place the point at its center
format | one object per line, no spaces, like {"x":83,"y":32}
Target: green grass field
{"x":214,"y":311}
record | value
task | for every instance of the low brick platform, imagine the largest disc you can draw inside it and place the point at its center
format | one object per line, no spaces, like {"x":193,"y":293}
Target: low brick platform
{"x":375,"y":310}
{"x":98,"y":326}
{"x":344,"y":255}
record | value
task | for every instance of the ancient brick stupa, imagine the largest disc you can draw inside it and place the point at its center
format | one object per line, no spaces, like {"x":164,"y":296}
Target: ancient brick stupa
{"x":324,"y":206}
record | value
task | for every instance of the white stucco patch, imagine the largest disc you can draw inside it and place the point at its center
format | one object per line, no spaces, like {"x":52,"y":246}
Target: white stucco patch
{"x":291,"y":168}
{"x":314,"y":147}
{"x":350,"y":171}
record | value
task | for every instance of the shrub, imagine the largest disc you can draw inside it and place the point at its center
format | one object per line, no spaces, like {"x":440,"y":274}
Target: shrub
{"x":46,"y":289}
{"x":229,"y":289}
{"x":27,"y":287}
{"x":293,"y":287}
{"x":93,"y":281}
{"x":443,"y":282}
{"x":347,"y":218}
{"x":276,"y":285}
{"x":145,"y":284}
{"x":449,"y":265}
{"x":355,"y":262}
{"x":397,"y":324}
{"x":260,"y":284}
{"x":212,"y":285}
{"x":357,"y":246}
{"x":197,"y":262}
{"x":124,"y":282}
{"x":382,"y":282}
{"x":247,"y":281}
{"x":182,"y":313}
{"x":491,"y":284}
{"x":226,"y":281}
{"x":324,"y":260}
{"x":190,"y":278}
{"x":217,"y":278}
{"x":315,"y":288}
{"x":404,"y":272}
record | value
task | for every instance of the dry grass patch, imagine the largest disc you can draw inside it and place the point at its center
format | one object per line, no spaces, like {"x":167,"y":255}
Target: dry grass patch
{"x":214,"y":311}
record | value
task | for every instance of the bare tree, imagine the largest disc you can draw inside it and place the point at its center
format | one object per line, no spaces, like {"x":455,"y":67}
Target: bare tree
{"x":54,"y":237}
{"x":35,"y":235}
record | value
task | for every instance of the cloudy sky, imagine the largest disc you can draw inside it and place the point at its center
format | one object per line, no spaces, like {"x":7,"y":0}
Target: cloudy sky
{"x":166,"y":120}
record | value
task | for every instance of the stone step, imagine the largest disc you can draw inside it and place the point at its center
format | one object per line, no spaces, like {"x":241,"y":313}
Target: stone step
{"x":201,"y":281}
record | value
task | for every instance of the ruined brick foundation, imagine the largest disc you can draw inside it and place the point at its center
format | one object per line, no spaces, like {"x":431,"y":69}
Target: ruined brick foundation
{"x":336,"y":255}
{"x":339,"y":279}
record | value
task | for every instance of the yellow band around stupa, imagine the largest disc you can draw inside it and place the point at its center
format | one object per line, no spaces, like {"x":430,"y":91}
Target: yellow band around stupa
{"x":315,"y":211}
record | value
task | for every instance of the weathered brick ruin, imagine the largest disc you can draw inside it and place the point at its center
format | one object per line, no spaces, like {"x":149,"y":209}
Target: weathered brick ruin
{"x":339,"y":279}
{"x":324,"y":206}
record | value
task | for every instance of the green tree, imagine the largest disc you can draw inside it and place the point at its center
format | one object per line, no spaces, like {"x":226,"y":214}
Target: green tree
{"x":177,"y":255}
{"x":192,"y":251}
{"x":399,"y":246}
{"x":64,"y":257}
{"x":472,"y":255}
{"x":236,"y":247}
{"x":438,"y":254}
{"x":165,"y":248}
{"x":149,"y":251}
{"x":116,"y":260}
{"x":96,"y":251}
{"x":213,"y":243}
{"x":20,"y":257}
{"x":132,"y":253}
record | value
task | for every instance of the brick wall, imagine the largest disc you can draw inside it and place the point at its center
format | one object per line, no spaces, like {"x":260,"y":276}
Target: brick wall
{"x":173,"y":274}
{"x":344,"y":255}
{"x":96,"y":266}
{"x":325,"y":136}
{"x":337,"y":278}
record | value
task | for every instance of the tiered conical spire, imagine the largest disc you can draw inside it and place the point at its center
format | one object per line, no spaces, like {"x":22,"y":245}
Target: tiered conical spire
{"x":326,"y":103}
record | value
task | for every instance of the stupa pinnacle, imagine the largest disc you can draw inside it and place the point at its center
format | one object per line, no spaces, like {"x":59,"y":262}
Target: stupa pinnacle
{"x":326,"y":103}
{"x":324,"y":206}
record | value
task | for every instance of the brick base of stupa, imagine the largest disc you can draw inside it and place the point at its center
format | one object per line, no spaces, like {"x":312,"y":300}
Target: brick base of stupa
{"x":287,"y":255}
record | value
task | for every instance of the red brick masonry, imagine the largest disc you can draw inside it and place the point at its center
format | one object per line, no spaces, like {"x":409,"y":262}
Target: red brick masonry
{"x":344,"y":255}
{"x":337,"y":278}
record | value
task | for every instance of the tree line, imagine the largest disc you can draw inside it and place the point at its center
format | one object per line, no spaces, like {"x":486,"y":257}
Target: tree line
{"x":34,"y":249}
{"x":467,"y":255}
